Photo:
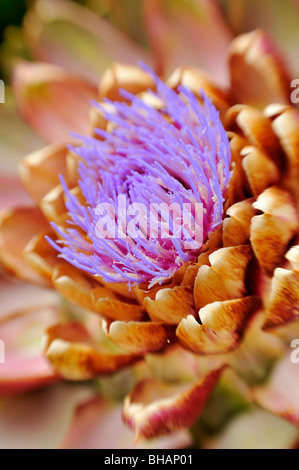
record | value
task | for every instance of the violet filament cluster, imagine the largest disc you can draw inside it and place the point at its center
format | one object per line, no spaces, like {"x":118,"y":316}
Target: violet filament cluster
{"x":176,"y":155}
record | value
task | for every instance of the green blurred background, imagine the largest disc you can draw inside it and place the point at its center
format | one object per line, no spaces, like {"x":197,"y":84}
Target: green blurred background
{"x":279,"y":17}
{"x":11,"y":12}
{"x":125,"y":14}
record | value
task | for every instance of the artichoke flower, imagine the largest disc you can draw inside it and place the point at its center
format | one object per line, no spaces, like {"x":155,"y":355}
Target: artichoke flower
{"x":199,"y":326}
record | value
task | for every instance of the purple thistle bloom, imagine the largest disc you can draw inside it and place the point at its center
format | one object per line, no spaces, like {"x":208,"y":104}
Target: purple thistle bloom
{"x":160,"y":162}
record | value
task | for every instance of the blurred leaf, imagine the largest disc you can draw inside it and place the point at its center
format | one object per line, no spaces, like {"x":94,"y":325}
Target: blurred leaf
{"x":53,"y":101}
{"x":99,"y":425}
{"x":13,"y":48}
{"x":16,"y":138}
{"x":229,"y":398}
{"x":280,"y":19}
{"x":126,"y":15}
{"x":182,"y":33}
{"x":280,"y":394}
{"x":257,"y":353}
{"x":256,"y":429}
{"x":11,"y":13}
{"x":78,"y":39}
{"x":40,"y":420}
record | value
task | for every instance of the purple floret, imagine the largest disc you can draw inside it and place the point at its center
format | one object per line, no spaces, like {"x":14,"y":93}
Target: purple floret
{"x":177,"y":155}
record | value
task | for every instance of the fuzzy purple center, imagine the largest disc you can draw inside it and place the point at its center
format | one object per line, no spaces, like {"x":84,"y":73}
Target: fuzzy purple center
{"x":161,"y":160}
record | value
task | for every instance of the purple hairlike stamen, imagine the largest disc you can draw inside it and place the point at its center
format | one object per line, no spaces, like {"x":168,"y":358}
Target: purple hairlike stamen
{"x":160,"y":160}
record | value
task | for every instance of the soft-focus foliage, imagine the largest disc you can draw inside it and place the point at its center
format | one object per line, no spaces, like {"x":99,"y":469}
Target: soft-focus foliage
{"x":208,"y":348}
